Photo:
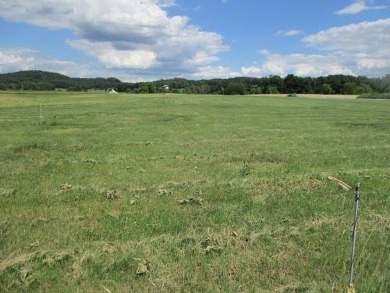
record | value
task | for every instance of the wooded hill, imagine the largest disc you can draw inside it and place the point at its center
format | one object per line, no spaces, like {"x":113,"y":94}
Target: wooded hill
{"x":291,"y":84}
{"x":43,"y":80}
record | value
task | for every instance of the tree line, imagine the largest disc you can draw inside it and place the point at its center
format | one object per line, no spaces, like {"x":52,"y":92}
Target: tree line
{"x":291,"y":84}
{"x":47,"y":81}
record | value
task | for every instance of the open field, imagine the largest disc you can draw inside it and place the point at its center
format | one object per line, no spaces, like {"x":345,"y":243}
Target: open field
{"x":184,"y":193}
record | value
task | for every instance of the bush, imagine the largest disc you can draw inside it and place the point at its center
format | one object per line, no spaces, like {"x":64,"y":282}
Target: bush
{"x":375,"y":96}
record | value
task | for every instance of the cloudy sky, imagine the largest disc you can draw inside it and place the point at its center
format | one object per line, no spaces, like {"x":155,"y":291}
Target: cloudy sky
{"x":138,"y":40}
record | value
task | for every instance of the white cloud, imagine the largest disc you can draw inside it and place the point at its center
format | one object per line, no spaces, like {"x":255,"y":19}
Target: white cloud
{"x":124,"y":34}
{"x":298,"y":64}
{"x":112,"y":58}
{"x":26,"y":59}
{"x":46,"y":13}
{"x":201,"y":58}
{"x":356,"y":49}
{"x":289,"y":33}
{"x":10,"y":58}
{"x":357,"y":6}
{"x":215,"y":72}
{"x":364,"y":45}
{"x":367,"y":36}
{"x":252,"y":71}
{"x":264,"y":52}
{"x":15,"y":59}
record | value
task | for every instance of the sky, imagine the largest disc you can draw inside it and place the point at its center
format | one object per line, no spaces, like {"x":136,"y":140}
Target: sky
{"x":143,"y":40}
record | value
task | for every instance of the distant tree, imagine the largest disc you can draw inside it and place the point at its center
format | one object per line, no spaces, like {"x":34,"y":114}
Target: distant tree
{"x":381,"y":85}
{"x":202,"y":87}
{"x":292,"y":84}
{"x":235,"y":88}
{"x":335,"y":82}
{"x":300,"y":85}
{"x":216,"y":86}
{"x":308,"y":85}
{"x":255,"y":90}
{"x":277,"y":84}
{"x":326,"y":89}
{"x":44,"y":86}
{"x":143,"y":88}
{"x":151,"y":88}
{"x":350,"y":88}
{"x":271,"y":89}
{"x":15,"y":86}
{"x":77,"y":88}
{"x":365,"y":89}
{"x":29,"y":86}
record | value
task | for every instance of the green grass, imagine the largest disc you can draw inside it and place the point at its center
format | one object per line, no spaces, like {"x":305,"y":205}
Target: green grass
{"x":195,"y":193}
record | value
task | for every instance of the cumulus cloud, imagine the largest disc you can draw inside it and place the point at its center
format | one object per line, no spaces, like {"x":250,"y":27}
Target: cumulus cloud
{"x":357,"y":6}
{"x":355,"y":49}
{"x":366,"y":36}
{"x":298,"y":64}
{"x":112,"y":58}
{"x":352,"y":49}
{"x":363,"y":45}
{"x":124,"y":34}
{"x":46,"y":13}
{"x":26,"y":59}
{"x":15,"y":59}
{"x":215,"y":72}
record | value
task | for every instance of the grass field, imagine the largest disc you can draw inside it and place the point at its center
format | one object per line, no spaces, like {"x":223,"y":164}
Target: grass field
{"x":185,"y":193}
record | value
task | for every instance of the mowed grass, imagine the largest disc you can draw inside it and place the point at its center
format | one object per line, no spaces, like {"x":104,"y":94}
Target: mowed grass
{"x":191,"y":193}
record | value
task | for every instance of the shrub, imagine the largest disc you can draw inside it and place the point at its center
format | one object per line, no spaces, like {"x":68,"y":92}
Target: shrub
{"x":375,"y":96}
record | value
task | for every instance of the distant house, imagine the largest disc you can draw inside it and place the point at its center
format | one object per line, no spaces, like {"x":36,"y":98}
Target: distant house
{"x":112,"y":91}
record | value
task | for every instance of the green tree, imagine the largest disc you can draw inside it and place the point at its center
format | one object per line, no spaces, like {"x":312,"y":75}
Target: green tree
{"x":381,"y":85}
{"x":143,"y":88}
{"x":292,"y":84}
{"x":29,"y":86}
{"x":255,"y":90}
{"x":235,"y":88}
{"x":152,"y":88}
{"x":277,"y":84}
{"x":326,"y":89}
{"x":350,"y":88}
{"x":365,"y":89}
{"x":271,"y":89}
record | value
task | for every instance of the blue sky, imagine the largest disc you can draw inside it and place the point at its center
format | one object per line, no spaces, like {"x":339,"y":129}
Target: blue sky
{"x":138,"y":40}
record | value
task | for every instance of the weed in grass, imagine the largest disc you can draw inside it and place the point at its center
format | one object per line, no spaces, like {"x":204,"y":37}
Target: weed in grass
{"x":112,"y":194}
{"x":7,"y":192}
{"x":143,"y":267}
{"x":66,"y":186}
{"x":192,"y":201}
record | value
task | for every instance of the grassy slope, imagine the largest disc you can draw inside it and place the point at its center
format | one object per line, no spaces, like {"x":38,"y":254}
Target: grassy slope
{"x":270,"y":220}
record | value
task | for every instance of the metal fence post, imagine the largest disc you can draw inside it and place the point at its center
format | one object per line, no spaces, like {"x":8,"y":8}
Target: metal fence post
{"x":351,"y":288}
